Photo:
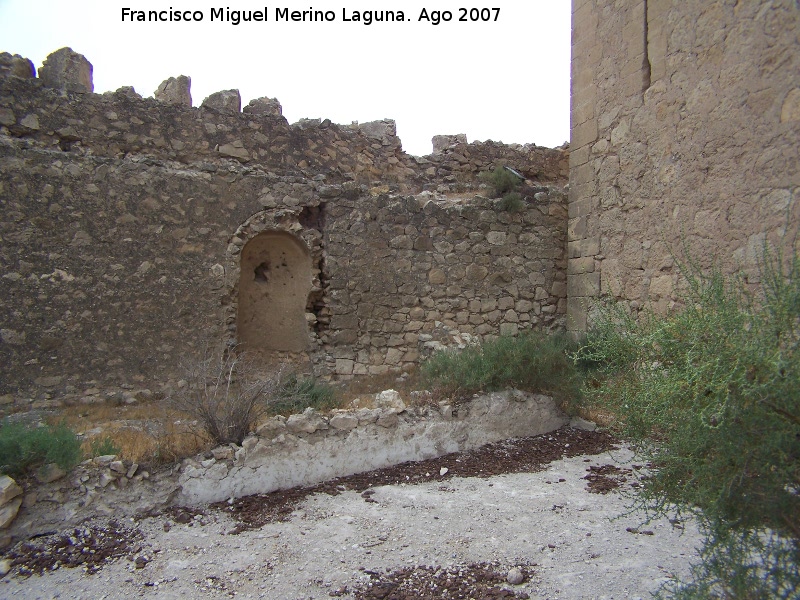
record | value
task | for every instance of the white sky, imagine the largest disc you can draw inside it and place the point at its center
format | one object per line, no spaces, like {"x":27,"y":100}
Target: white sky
{"x":506,"y":80}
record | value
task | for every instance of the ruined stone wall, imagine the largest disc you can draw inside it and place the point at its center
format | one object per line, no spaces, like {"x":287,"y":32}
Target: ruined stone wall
{"x":124,"y":125}
{"x":462,"y":162}
{"x":685,"y":128}
{"x":124,"y":219}
{"x":412,"y":274}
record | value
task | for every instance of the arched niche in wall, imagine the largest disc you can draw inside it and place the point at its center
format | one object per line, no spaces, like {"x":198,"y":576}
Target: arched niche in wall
{"x":274,"y":282}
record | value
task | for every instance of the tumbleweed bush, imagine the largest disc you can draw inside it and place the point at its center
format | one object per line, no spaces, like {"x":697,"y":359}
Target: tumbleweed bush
{"x":226,"y":394}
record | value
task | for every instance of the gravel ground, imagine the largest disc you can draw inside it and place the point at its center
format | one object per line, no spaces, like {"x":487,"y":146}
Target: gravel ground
{"x":548,"y":512}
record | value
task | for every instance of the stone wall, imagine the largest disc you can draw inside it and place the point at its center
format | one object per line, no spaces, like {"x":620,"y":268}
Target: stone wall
{"x":125,"y":219}
{"x":685,"y":130}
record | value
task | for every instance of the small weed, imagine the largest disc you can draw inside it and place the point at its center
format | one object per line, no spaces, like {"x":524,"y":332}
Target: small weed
{"x":295,"y":394}
{"x":102,"y":446}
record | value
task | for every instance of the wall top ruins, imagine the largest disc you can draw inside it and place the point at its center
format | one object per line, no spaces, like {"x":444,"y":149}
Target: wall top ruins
{"x":58,"y":110}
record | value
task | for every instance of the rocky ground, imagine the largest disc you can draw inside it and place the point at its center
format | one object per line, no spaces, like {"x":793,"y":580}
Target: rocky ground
{"x":542,"y":517}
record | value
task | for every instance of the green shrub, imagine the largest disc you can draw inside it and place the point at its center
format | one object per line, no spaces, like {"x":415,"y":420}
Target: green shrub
{"x":295,"y":394}
{"x":512,"y":202}
{"x":24,"y":448}
{"x":533,"y":361}
{"x":711,"y":396}
{"x":501,"y":180}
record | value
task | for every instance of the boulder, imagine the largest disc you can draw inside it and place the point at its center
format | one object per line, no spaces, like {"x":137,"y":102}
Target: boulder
{"x":8,"y":512}
{"x":390,"y":399}
{"x":8,"y":489}
{"x":308,"y":422}
{"x":344,"y":421}
{"x":49,"y":473}
{"x":385,"y":131}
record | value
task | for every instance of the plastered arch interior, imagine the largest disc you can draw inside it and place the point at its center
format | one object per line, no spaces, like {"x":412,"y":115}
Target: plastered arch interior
{"x":274,"y":282}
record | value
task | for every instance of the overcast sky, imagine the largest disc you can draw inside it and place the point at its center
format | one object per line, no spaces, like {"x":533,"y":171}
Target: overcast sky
{"x":505,"y":80}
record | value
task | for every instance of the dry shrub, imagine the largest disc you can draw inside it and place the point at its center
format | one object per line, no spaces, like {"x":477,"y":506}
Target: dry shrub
{"x":225,"y":395}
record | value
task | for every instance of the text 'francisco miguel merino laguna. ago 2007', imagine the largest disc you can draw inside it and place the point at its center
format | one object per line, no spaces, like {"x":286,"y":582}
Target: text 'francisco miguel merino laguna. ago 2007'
{"x":365,"y":17}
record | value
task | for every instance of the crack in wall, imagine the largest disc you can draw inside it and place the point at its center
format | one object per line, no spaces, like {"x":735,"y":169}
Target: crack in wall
{"x":313,"y":217}
{"x":646,"y":66}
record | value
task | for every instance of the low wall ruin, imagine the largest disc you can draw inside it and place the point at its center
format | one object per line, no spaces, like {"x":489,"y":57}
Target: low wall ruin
{"x":304,"y":449}
{"x":310,"y":448}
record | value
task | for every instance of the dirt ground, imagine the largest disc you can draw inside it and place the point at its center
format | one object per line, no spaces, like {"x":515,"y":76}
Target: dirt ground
{"x":539,"y":517}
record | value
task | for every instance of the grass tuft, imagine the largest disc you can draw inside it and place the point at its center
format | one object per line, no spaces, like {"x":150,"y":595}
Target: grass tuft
{"x":295,"y":394}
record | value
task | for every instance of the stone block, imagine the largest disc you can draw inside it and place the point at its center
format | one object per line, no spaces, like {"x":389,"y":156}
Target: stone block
{"x":577,"y":312}
{"x":388,"y":419}
{"x":586,"y":247}
{"x":496,"y":238}
{"x":509,"y":329}
{"x":581,"y":113}
{"x":442,"y":142}
{"x":581,"y":207}
{"x":661,"y":286}
{"x":437,"y":277}
{"x":344,"y":366}
{"x":578,"y":266}
{"x":49,"y":473}
{"x":16,"y":66}
{"x":235,"y":150}
{"x":394,"y":356}
{"x":308,"y":422}
{"x":586,"y":284}
{"x":390,"y":399}
{"x":476,"y":272}
{"x":577,"y":228}
{"x":611,"y":280}
{"x":344,"y":421}
{"x":579,"y":156}
{"x":585,"y":133}
{"x":559,"y":289}
{"x":790,"y":110}
{"x":384,"y":130}
{"x":8,"y":511}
